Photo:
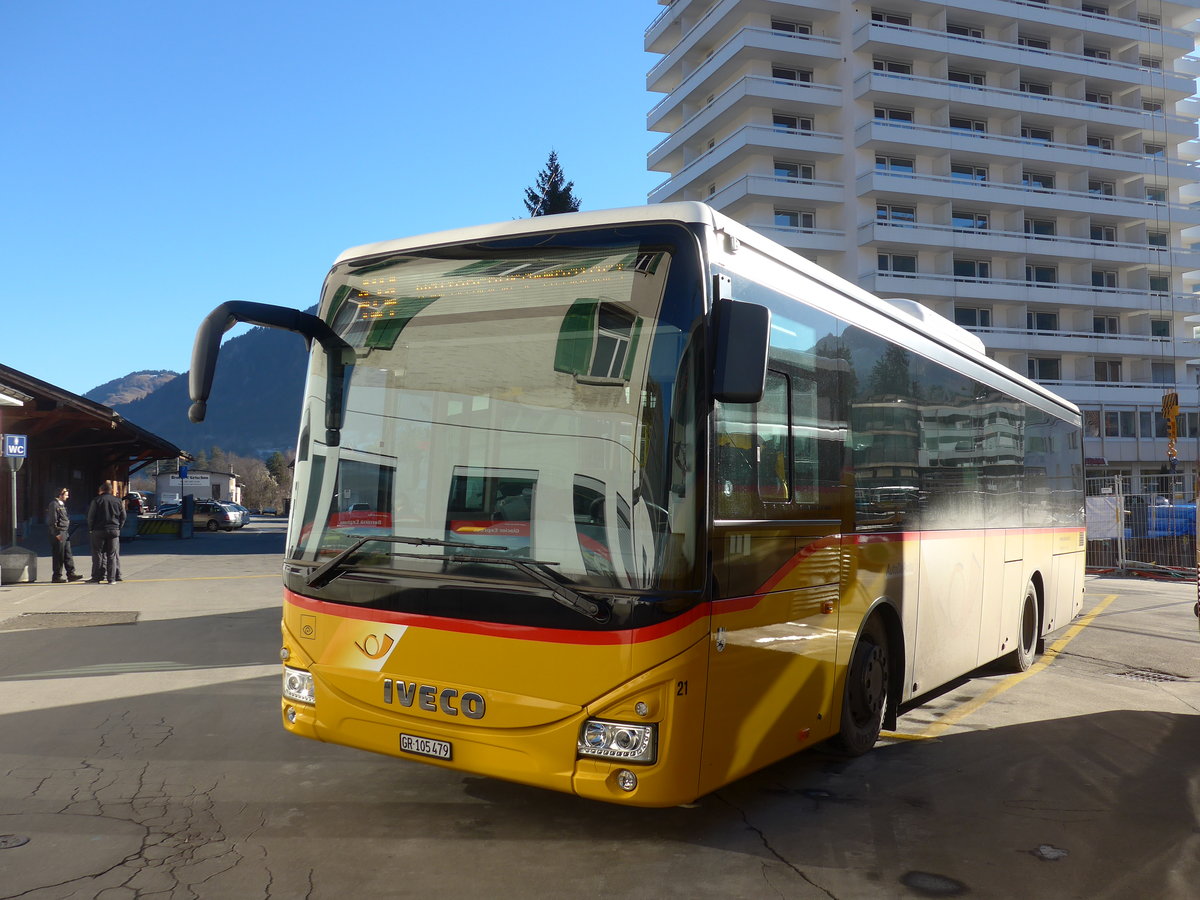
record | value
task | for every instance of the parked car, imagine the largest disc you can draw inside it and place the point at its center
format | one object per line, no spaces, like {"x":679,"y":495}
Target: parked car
{"x":243,"y":514}
{"x":210,"y":514}
{"x":270,"y":511}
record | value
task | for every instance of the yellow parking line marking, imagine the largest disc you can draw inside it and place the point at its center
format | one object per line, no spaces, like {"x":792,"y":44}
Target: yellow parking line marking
{"x":1052,"y":652}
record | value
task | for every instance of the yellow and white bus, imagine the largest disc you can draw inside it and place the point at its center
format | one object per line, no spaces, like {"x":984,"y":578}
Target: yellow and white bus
{"x":630,"y":504}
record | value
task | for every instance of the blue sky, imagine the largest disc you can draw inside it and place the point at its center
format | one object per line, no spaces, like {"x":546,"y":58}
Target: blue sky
{"x":161,"y":157}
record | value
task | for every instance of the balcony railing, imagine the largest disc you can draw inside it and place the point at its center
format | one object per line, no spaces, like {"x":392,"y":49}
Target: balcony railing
{"x":1048,"y":241}
{"x":1026,"y":285}
{"x":1085,"y":108}
{"x":1017,"y":143}
{"x":1023,"y":334}
{"x":746,"y":85}
{"x":705,"y":69}
{"x":1116,"y":20}
{"x":970,"y":44}
{"x":1152,"y":206}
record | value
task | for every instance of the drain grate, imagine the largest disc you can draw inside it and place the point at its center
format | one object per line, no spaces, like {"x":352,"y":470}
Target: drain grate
{"x":68,"y":620}
{"x":1146,"y":675}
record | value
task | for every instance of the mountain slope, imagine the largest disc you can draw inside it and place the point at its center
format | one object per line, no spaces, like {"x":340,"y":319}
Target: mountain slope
{"x":254,"y":408}
{"x":132,"y":387}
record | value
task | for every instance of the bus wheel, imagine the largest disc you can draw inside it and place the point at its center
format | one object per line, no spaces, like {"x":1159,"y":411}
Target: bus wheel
{"x":1027,"y":636}
{"x":865,"y":702}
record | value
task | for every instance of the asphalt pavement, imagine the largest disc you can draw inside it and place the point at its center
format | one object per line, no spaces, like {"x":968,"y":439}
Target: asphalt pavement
{"x":141,"y":755}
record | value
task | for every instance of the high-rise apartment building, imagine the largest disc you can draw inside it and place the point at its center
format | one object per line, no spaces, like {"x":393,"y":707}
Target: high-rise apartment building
{"x":1017,"y":166}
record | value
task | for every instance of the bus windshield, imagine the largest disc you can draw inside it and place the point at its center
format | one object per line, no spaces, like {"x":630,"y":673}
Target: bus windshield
{"x":531,"y":402}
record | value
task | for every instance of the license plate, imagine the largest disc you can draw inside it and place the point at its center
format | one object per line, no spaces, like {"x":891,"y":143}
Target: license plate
{"x":425,"y":746}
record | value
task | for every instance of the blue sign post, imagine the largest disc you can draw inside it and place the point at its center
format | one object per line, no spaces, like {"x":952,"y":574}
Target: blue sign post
{"x":15,"y":450}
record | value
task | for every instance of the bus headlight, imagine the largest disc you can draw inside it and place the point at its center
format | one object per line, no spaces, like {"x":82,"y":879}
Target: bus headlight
{"x":298,"y":685}
{"x":618,"y":740}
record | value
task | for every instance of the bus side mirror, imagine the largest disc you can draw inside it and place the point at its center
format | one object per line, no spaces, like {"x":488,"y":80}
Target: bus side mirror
{"x":741,"y":334}
{"x":208,"y":344}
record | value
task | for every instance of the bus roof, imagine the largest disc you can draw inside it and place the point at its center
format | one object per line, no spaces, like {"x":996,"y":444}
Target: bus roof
{"x":904,"y":311}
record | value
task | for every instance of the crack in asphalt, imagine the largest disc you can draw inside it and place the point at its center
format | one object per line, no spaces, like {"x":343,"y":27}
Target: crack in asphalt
{"x":770,"y":849}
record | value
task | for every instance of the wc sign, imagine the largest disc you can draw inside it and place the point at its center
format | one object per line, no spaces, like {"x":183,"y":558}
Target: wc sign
{"x":14,"y":445}
{"x":14,"y":456}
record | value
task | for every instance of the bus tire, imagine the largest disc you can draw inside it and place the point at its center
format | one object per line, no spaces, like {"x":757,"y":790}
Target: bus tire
{"x":1027,"y":632}
{"x":865,"y":701}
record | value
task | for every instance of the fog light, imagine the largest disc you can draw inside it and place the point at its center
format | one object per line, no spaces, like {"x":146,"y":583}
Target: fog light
{"x":298,"y":685}
{"x":626,"y":780}
{"x":642,"y":709}
{"x":618,"y":740}
{"x":285,"y":654}
{"x":290,"y":714}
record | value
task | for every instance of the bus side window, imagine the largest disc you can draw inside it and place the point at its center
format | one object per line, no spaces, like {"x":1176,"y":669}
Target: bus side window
{"x":752,"y":452}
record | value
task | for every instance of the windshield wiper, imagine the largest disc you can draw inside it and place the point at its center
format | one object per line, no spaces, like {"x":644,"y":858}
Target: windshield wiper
{"x":330,"y":570}
{"x":538,"y":570}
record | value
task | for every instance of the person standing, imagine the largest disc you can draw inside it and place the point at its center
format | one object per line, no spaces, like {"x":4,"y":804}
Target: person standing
{"x":58,"y":523}
{"x":106,"y":515}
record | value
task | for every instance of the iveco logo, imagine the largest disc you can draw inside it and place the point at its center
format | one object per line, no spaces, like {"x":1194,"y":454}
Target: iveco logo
{"x":430,"y":698}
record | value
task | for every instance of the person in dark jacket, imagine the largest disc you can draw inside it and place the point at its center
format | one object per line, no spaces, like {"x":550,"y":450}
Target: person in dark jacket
{"x":105,"y":517}
{"x":58,"y":523}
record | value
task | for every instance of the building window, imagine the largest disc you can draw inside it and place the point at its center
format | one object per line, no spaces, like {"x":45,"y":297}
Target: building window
{"x":1101,"y":188}
{"x":1102,"y":278}
{"x":1041,"y":322}
{"x":1120,"y":423}
{"x":961,"y":220}
{"x":972,"y":269}
{"x":1031,"y":133}
{"x":794,"y":218}
{"x":1108,"y":370}
{"x":1041,"y":227}
{"x":1160,"y":328}
{"x":893,"y":115}
{"x":597,"y":339}
{"x":1105,"y":234}
{"x":1045,"y":368}
{"x":1091,"y":9}
{"x":1097,"y":53}
{"x":1149,"y":20}
{"x":1099,"y":142}
{"x":793,"y":171}
{"x":1039,"y":181}
{"x":972,"y":317}
{"x":895,"y":215}
{"x":968,"y":124}
{"x":1157,"y":150}
{"x":1152,"y":425}
{"x":1098,"y":97}
{"x":1152,"y":106}
{"x":897,"y":264}
{"x":784,"y":122}
{"x":888,"y":18}
{"x":1156,"y":238}
{"x":789,"y":75}
{"x":1042,"y":275}
{"x":895,"y":66}
{"x":1159,"y":284}
{"x":962,"y":77}
{"x":1033,"y":43}
{"x":797,"y":28}
{"x":968,"y":172}
{"x":1150,"y":62}
{"x":1162,"y":372}
{"x":1106,"y":325}
{"x":1035,"y":87}
{"x":1156,"y":194}
{"x":967,"y":31}
{"x":895,"y":164}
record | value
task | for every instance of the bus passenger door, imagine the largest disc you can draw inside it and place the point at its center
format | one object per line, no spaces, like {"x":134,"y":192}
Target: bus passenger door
{"x":776,"y":556}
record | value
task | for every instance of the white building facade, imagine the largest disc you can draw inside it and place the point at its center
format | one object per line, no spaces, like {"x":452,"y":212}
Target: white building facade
{"x":1020,"y":167}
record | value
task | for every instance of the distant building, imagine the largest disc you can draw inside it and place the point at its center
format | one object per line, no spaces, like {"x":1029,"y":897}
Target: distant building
{"x":71,"y":442}
{"x":201,"y":484}
{"x":1020,"y":166}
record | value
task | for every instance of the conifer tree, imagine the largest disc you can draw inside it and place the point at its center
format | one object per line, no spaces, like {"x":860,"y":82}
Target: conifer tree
{"x":551,"y":193}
